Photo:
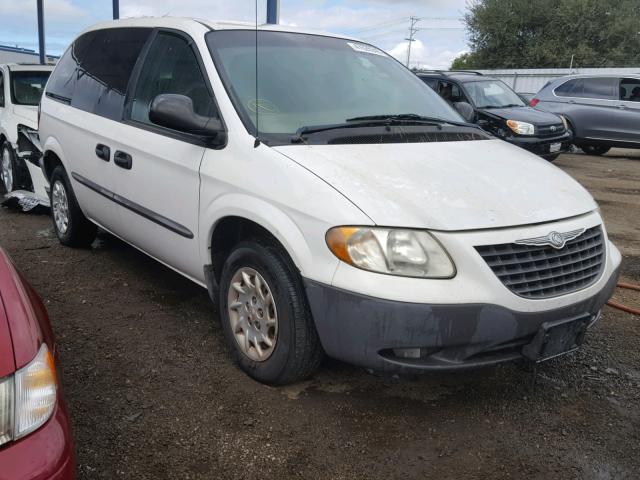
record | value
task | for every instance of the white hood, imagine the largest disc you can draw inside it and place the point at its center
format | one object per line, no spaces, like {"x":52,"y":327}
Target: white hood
{"x":27,"y":115}
{"x":446,"y":186}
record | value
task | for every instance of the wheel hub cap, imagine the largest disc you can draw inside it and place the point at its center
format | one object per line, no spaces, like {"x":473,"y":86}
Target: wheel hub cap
{"x":60,"y":206}
{"x":253,"y":315}
{"x":7,"y":171}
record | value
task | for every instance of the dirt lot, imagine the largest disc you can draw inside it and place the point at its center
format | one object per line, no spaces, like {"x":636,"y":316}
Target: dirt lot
{"x":154,"y":395}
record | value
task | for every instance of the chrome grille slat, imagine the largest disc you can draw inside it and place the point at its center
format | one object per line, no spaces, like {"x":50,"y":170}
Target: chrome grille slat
{"x":543,"y":272}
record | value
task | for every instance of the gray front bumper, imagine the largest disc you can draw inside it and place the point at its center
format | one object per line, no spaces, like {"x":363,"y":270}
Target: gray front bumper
{"x":364,"y":330}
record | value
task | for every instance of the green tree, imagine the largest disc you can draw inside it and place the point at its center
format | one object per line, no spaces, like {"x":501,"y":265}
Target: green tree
{"x":546,"y":33}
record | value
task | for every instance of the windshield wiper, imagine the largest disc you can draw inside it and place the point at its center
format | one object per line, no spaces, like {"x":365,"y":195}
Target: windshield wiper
{"x":406,"y":118}
{"x":502,"y":106}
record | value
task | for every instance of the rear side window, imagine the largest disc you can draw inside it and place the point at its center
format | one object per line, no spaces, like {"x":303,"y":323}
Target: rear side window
{"x":630,"y":89}
{"x":432,"y":82}
{"x":94,"y":73}
{"x":171,"y":66}
{"x":602,"y":88}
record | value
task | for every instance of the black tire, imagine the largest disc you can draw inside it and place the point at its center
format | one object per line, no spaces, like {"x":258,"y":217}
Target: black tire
{"x":80,"y":232}
{"x":297,"y":353}
{"x":551,"y":157}
{"x":594,"y":149}
{"x":20,"y":174}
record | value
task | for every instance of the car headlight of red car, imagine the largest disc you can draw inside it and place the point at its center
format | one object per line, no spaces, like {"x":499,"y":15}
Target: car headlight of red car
{"x":28,"y":398}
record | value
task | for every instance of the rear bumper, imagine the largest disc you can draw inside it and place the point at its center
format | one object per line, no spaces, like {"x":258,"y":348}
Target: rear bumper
{"x":365,"y":331}
{"x":46,"y":454}
{"x":540,"y":146}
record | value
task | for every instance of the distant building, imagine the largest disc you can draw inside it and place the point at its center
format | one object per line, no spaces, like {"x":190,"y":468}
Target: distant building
{"x":9,"y":54}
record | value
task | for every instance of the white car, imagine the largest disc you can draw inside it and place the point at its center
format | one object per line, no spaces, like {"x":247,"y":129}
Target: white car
{"x":337,"y":205}
{"x":21,"y":87}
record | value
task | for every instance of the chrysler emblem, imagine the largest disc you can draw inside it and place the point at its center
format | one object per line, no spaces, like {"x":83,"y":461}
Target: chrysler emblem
{"x":553,"y":129}
{"x":553,"y":239}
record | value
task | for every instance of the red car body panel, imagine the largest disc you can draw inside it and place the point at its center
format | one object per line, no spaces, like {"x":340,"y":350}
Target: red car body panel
{"x":48,"y":453}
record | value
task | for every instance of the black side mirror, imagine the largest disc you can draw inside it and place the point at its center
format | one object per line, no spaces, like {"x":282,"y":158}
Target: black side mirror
{"x":176,"y":112}
{"x":466,"y":110}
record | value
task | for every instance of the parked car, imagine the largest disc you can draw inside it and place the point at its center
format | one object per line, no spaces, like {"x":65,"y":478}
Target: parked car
{"x":603,"y":110}
{"x":35,"y":432}
{"x":21,"y":87}
{"x":501,"y":111}
{"x":343,"y":209}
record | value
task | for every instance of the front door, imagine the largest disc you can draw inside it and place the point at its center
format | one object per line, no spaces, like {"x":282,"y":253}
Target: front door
{"x":156,"y":175}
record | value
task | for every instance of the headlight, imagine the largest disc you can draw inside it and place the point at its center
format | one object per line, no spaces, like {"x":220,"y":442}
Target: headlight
{"x":28,"y":399}
{"x":521,"y":128}
{"x":406,"y":253}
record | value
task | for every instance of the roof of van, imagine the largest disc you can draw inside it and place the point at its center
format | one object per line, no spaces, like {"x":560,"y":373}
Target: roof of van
{"x":188,"y":24}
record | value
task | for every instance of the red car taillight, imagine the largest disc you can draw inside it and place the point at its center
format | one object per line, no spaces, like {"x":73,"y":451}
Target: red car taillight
{"x":534,"y":102}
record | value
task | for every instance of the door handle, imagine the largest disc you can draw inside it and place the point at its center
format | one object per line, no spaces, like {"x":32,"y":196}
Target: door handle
{"x":103,"y":152}
{"x":123,"y":160}
{"x":622,"y":106}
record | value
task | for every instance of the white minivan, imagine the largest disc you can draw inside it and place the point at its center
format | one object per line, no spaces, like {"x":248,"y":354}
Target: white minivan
{"x":332,"y":203}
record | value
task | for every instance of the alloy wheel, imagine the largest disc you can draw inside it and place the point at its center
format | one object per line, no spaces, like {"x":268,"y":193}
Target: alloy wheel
{"x":60,"y":206}
{"x":7,"y":170}
{"x":253,"y":314}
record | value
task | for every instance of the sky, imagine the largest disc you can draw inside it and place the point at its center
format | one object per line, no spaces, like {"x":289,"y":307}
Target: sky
{"x":384,"y":23}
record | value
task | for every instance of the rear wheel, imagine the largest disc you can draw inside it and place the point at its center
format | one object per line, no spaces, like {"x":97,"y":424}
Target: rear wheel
{"x":265,"y":316}
{"x":594,"y":149}
{"x":551,"y":157}
{"x":71,"y":226}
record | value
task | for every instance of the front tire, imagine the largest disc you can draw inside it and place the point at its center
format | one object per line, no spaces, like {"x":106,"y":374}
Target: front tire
{"x":265,"y":316}
{"x":72,"y":227}
{"x":10,"y":171}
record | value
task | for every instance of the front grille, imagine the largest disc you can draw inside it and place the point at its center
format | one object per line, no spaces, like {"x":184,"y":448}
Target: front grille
{"x":543,"y":271}
{"x":550,"y":130}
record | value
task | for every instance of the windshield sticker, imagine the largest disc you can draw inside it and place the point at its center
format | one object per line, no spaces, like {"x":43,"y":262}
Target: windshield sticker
{"x":364,"y":48}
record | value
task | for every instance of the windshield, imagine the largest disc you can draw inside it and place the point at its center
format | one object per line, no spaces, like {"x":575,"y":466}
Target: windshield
{"x":310,"y":80}
{"x":493,"y":94}
{"x":27,"y":87}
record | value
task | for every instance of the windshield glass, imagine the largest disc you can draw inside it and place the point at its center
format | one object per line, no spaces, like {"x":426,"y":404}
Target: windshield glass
{"x":492,"y":94}
{"x":27,"y":87}
{"x":311,"y":80}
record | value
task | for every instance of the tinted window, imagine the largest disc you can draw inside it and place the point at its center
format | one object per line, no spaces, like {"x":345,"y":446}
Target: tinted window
{"x":27,"y":87}
{"x":600,"y":88}
{"x":432,"y":82}
{"x":63,"y":78}
{"x":630,"y":89}
{"x":93,"y":74}
{"x":171,"y":66}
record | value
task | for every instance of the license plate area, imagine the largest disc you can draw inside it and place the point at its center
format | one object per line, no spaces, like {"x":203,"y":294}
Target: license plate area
{"x":557,"y":338}
{"x":555,"y":147}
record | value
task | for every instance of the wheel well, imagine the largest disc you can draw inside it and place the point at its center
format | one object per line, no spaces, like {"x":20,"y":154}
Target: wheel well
{"x":50,"y":162}
{"x":2,"y":139}
{"x":229,"y":232}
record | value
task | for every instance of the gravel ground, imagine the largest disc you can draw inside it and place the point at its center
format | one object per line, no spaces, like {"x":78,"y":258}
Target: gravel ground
{"x":154,"y":395}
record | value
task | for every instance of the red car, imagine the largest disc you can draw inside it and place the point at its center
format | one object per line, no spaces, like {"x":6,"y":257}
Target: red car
{"x":35,"y":432}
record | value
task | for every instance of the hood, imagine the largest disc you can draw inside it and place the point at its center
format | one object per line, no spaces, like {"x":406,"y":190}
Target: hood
{"x":7,"y":362}
{"x":448,"y":185}
{"x":523,"y":114}
{"x":28,"y":115}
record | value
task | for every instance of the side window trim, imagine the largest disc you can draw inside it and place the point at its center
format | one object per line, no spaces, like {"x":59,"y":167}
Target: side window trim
{"x":135,"y":76}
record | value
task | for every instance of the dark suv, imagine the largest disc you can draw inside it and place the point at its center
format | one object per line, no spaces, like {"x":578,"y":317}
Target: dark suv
{"x":604,"y":111}
{"x":499,"y":110}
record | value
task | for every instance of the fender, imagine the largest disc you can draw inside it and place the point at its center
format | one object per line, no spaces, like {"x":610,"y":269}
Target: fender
{"x":51,"y":144}
{"x":270,"y":218}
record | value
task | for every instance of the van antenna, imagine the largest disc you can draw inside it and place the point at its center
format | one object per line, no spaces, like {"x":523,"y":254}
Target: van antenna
{"x":256,"y":144}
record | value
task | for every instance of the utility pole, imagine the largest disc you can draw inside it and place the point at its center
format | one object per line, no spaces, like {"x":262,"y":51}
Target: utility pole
{"x":273,"y":11}
{"x":412,"y":32}
{"x":116,"y":9}
{"x":43,"y":56}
